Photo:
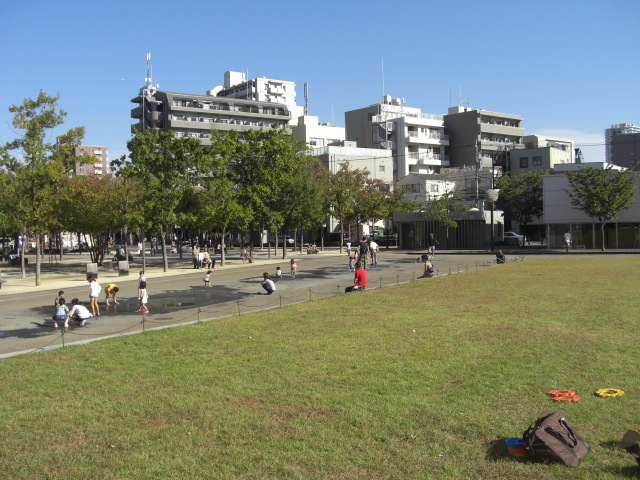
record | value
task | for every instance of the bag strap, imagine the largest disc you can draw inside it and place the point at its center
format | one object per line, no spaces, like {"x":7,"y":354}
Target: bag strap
{"x":558,"y":436}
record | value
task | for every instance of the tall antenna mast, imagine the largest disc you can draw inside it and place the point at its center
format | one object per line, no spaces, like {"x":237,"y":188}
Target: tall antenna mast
{"x":148,"y":77}
{"x":382,"y":77}
{"x":306,"y":98}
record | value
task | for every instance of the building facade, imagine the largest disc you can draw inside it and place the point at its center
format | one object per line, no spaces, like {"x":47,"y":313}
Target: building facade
{"x":316,"y":135}
{"x":625,"y":150}
{"x":611,"y":133}
{"x":480,"y":137}
{"x":98,"y":164}
{"x":417,"y":140}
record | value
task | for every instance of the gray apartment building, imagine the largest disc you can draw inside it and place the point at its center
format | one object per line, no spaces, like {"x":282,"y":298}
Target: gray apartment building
{"x":480,"y":136}
{"x":193,"y":115}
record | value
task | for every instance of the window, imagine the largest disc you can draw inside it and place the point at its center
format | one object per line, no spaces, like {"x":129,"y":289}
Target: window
{"x":381,"y":168}
{"x":524,"y":162}
{"x":537,"y":161}
{"x":433,"y":188}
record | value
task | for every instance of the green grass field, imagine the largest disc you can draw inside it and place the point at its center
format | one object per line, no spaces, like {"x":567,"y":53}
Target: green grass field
{"x":417,"y":381}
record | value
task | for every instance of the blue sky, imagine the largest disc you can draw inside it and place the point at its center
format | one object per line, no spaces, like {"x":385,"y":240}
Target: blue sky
{"x":569,"y":68}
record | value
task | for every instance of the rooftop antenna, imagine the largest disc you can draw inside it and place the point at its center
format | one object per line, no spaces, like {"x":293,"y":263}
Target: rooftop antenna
{"x":306,"y":99}
{"x":463,"y":102}
{"x":382,"y":77}
{"x":148,"y":77}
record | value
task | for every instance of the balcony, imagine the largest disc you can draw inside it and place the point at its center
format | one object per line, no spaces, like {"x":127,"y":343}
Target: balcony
{"x":428,"y":138}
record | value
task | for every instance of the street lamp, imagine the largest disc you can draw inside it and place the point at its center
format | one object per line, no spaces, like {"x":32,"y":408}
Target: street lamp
{"x":491,"y":197}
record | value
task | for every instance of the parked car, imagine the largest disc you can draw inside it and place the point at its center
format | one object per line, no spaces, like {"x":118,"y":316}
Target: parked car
{"x":512,"y":238}
{"x":286,"y":238}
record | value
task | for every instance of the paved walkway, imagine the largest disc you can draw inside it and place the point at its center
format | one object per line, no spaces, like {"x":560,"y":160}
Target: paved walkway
{"x":178,"y":296}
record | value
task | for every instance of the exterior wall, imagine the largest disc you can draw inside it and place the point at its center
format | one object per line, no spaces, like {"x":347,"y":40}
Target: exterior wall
{"x":414,"y":229}
{"x":99,"y":167}
{"x":316,"y":135}
{"x":378,"y":162}
{"x":492,"y":132}
{"x":560,"y":216}
{"x":547,"y":157}
{"x":196,"y":115}
{"x":611,"y":133}
{"x":625,"y":150}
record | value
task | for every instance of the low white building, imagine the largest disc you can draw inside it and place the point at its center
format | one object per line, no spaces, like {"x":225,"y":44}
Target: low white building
{"x":560,"y":216}
{"x":317,"y":135}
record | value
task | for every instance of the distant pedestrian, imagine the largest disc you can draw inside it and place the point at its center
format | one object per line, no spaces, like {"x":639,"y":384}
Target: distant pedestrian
{"x":363,"y":252}
{"x":352,"y":265}
{"x":141,"y":279}
{"x":348,"y":248}
{"x":567,"y":241}
{"x":294,"y":268}
{"x":79,"y":312}
{"x":207,"y":280}
{"x":111,"y":290}
{"x":373,"y":251}
{"x":94,"y":292}
{"x":195,"y":255}
{"x":62,"y":314}
{"x":432,"y":243}
{"x":268,"y":284}
{"x":245,"y":255}
{"x":144,"y":298}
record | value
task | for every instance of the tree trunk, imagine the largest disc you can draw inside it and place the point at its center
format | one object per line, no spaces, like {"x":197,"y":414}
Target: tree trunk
{"x":602,"y":224}
{"x":38,"y":259}
{"x":224,"y":230}
{"x":165,"y":259}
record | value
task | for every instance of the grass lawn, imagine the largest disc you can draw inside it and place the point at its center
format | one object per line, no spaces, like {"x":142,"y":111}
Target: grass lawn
{"x":417,"y":381}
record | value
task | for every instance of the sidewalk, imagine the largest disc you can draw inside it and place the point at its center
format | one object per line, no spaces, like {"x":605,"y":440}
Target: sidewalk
{"x":71,"y":271}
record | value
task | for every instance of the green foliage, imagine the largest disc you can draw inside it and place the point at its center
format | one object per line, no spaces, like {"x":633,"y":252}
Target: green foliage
{"x":522,"y":195}
{"x":445,"y":209}
{"x":602,"y":193}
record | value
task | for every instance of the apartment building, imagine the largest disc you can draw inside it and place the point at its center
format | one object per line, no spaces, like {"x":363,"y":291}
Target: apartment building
{"x":625,"y":150}
{"x":195,"y":115}
{"x":93,"y":160}
{"x":481,"y":138}
{"x":541,"y":153}
{"x":610,"y":135}
{"x":417,"y":140}
{"x":315,"y":134}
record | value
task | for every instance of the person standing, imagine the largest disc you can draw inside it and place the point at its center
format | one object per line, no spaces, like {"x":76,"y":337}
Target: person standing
{"x":294,"y":268}
{"x":348,"y":248}
{"x":373,"y":250}
{"x":195,"y":254}
{"x":432,"y":243}
{"x":207,"y":280}
{"x":94,"y":292}
{"x":111,"y":290}
{"x":363,"y":252}
{"x":144,"y":298}
{"x":567,"y":241}
{"x":268,"y":284}
{"x":359,"y":280}
{"x":141,"y":279}
{"x":60,"y":295}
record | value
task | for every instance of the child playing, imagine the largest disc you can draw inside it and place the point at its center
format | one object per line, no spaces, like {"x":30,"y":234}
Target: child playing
{"x":294,"y":267}
{"x":60,"y":295}
{"x":207,"y":280}
{"x":141,"y":279}
{"x":278,"y":273}
{"x":352,"y":265}
{"x":144,"y":297}
{"x":62,"y":313}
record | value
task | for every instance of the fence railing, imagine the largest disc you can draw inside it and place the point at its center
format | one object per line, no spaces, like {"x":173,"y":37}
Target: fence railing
{"x":43,"y":339}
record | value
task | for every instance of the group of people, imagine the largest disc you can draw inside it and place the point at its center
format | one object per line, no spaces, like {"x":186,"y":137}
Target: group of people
{"x":269,"y":284}
{"x":366,"y":251}
{"x":202,"y":259}
{"x":81,"y":314}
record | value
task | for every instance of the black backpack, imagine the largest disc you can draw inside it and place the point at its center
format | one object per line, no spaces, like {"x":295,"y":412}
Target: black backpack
{"x":552,"y":438}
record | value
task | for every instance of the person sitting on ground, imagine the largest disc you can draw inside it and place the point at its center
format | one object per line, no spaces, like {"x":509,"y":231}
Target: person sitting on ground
{"x":500,"y":258}
{"x":429,"y":268}
{"x":278,"y":273}
{"x":268,"y":284}
{"x":79,"y":312}
{"x":111,"y":290}
{"x":359,"y":280}
{"x":62,"y":313}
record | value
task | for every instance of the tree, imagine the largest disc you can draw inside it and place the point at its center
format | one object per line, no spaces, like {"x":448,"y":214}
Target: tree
{"x":445,"y":209}
{"x":602,"y":193}
{"x":37,"y":170}
{"x":522,"y":196}
{"x":344,"y":187}
{"x":165,"y":166}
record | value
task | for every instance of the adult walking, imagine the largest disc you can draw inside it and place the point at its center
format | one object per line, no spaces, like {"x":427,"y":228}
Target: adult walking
{"x":432,"y":243}
{"x":373,"y":251}
{"x":363,"y":252}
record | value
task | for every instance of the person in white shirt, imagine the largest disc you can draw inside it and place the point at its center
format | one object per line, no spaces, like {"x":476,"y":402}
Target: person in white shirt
{"x":268,"y":284}
{"x":373,"y":251}
{"x":79,"y":312}
{"x":94,"y":291}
